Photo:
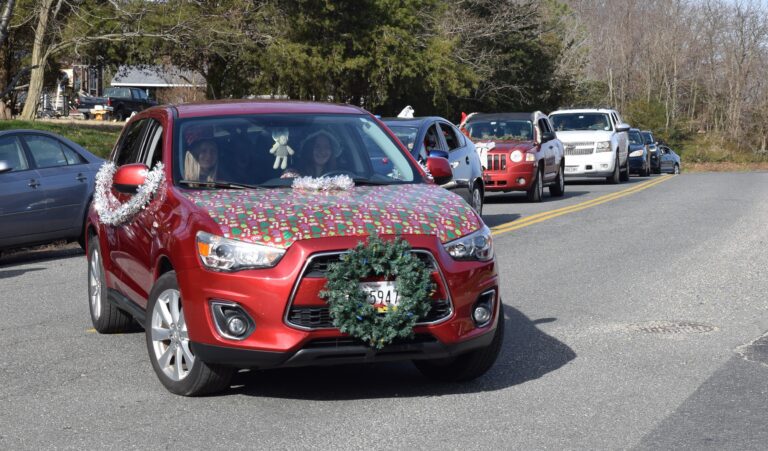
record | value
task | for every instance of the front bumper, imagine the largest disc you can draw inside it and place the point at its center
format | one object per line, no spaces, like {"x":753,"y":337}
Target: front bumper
{"x":515,"y":177}
{"x":599,"y":164}
{"x":636,"y":164}
{"x":265,"y":295}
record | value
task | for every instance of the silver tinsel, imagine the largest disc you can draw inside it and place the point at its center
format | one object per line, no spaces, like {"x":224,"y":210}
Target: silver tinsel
{"x":111,"y":211}
{"x":335,"y":183}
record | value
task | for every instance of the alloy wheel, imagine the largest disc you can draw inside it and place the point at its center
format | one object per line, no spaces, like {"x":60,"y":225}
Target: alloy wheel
{"x":170,"y":339}
{"x":477,"y":201}
{"x":94,"y":283}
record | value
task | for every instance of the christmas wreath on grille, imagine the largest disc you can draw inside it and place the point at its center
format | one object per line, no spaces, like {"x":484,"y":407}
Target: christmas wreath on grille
{"x":353,"y":310}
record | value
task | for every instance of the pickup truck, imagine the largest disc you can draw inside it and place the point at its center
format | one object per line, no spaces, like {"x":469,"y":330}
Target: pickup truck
{"x":118,"y":101}
{"x":596,"y":143}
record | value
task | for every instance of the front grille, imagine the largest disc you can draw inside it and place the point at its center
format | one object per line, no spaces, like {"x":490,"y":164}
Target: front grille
{"x":320,"y":317}
{"x":319,"y":265}
{"x":579,"y":148}
{"x":497,"y":162}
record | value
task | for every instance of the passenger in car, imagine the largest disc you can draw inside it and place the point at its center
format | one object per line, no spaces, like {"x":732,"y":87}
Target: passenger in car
{"x":319,"y":154}
{"x":201,"y":161}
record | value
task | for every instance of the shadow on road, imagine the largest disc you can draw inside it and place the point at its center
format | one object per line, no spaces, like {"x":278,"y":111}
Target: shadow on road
{"x":494,"y":220}
{"x":8,"y":273}
{"x":40,"y":254}
{"x":519,"y":197}
{"x":527,"y":354}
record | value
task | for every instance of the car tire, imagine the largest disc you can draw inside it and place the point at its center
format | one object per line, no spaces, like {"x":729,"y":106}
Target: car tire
{"x":477,"y":199}
{"x":676,"y":169}
{"x":534,"y":193}
{"x":168,"y":345}
{"x":624,"y":175}
{"x":614,"y":178}
{"x":105,"y":316}
{"x":558,"y":188}
{"x":465,"y":367}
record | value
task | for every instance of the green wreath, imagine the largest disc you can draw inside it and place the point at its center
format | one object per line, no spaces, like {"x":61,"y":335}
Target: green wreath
{"x":351,"y":309}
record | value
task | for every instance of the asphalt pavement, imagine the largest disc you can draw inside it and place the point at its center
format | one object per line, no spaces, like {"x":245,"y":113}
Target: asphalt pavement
{"x":635,"y":316}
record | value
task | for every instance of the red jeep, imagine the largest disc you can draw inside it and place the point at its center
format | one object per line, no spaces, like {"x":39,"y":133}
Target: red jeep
{"x":223,"y":259}
{"x":523,"y":152}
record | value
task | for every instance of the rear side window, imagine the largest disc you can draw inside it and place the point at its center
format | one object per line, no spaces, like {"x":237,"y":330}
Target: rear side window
{"x":47,"y":152}
{"x":129,"y":149}
{"x":12,"y":153}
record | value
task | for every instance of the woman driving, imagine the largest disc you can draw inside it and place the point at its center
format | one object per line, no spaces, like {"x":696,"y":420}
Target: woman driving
{"x":318,"y":156}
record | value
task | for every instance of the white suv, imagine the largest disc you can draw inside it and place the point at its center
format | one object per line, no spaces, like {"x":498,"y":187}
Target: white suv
{"x":595,"y":141}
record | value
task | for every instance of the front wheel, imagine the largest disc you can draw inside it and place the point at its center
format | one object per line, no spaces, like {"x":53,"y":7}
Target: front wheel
{"x":477,"y":200}
{"x":534,"y":193}
{"x":168,"y":344}
{"x":614,"y":178}
{"x":466,"y":366}
{"x":676,"y":169}
{"x":558,"y":189}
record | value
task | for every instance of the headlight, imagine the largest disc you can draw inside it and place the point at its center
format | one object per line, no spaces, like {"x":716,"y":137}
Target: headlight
{"x":636,"y":153}
{"x":530,"y":157}
{"x":224,"y":254}
{"x":603,"y":146}
{"x":475,"y":246}
{"x":516,"y":156}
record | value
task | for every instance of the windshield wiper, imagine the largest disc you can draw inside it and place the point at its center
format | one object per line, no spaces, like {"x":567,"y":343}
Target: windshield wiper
{"x":360,"y":181}
{"x":218,"y":184}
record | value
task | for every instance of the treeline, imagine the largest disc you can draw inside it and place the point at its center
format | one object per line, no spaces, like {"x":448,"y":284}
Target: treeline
{"x":684,"y":68}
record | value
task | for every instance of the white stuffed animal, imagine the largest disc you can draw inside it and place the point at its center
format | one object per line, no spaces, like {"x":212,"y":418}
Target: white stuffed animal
{"x":281,"y":149}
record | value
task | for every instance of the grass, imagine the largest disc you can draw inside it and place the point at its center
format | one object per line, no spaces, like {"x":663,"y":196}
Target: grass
{"x":97,"y":137}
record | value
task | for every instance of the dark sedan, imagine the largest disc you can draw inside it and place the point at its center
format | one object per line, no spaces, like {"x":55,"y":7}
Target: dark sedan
{"x":425,"y":136}
{"x":639,"y":156}
{"x":47,"y":184}
{"x":670,"y":161}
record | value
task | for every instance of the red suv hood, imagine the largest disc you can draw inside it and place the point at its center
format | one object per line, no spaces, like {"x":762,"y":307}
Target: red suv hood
{"x":281,"y":216}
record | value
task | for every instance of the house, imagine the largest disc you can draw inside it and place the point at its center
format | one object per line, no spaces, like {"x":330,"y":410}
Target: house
{"x":166,"y":84}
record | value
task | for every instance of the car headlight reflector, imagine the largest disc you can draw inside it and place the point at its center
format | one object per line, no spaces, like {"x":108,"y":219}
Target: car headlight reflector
{"x":636,"y":153}
{"x":475,"y":246}
{"x":224,"y":254}
{"x":603,"y":146}
{"x":516,"y":156}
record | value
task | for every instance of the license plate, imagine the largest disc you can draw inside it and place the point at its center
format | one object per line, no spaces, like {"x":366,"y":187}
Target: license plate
{"x":571,"y":168}
{"x":382,"y":295}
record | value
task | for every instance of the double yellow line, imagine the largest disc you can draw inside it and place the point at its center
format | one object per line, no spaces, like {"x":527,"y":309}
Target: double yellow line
{"x":543,"y":216}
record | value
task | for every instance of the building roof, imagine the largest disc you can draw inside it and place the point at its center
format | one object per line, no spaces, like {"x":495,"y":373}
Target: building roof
{"x":157,"y":77}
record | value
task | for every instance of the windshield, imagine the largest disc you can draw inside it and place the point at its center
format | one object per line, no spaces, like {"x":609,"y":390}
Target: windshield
{"x":406,"y":135}
{"x":635,"y":138}
{"x":271,"y":150}
{"x":580,"y":121}
{"x":648,"y":137}
{"x":500,"y":130}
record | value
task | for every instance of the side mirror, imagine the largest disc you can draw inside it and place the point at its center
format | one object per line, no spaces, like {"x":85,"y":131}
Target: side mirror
{"x":440,"y":169}
{"x":622,"y":128}
{"x":128,"y":178}
{"x":5,"y":167}
{"x":548,"y":136}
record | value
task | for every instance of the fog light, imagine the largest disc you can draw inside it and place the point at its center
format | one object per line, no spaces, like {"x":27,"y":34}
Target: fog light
{"x":521,"y":181}
{"x":481,"y":315}
{"x":604,"y":166}
{"x":236,"y":325}
{"x":231,"y":320}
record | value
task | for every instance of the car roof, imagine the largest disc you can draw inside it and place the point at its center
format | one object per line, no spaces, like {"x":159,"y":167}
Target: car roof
{"x":584,"y":110}
{"x":417,"y":121}
{"x":635,"y":130}
{"x":502,"y":116}
{"x":236,"y":107}
{"x":90,"y":156}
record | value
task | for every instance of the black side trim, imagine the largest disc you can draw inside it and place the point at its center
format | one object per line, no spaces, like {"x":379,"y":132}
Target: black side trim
{"x":127,"y":305}
{"x":312,"y":354}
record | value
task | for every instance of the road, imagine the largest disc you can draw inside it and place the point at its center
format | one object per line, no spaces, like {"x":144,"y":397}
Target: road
{"x":635,"y":313}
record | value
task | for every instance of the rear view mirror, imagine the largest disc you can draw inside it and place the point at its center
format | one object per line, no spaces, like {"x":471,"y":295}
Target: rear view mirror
{"x":128,"y":178}
{"x":548,"y":136}
{"x":622,"y":128}
{"x":4,"y":166}
{"x":440,"y":169}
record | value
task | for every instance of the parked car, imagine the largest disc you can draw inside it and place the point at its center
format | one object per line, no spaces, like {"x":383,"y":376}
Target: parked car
{"x":639,"y":156}
{"x":425,"y":136}
{"x":120,"y":102}
{"x":653,"y":148}
{"x":596,"y":143}
{"x":670,"y":161}
{"x":523,"y":152}
{"x":227,"y":275}
{"x":47,"y":183}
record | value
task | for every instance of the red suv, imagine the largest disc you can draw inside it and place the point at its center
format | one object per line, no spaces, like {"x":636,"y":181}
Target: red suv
{"x":221,"y":256}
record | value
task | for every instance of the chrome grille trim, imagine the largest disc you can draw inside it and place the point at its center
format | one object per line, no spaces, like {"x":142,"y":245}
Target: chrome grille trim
{"x":321,"y":315}
{"x":578,"y":151}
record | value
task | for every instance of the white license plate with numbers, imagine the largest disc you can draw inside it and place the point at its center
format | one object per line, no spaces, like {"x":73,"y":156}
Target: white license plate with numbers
{"x":381,"y":294}
{"x":571,"y":168}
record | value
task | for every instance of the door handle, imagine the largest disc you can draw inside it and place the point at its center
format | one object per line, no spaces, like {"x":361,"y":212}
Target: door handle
{"x":467,"y":159}
{"x":81,"y":178}
{"x":33,"y":183}
{"x":454,"y":164}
